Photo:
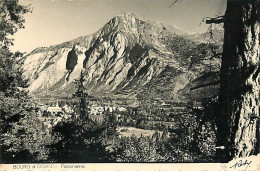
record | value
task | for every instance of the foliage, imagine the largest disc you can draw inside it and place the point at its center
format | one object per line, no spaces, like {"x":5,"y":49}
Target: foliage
{"x":78,"y":143}
{"x":135,"y":149}
{"x":147,"y":149}
{"x":205,"y":132}
{"x":195,"y":137}
{"x":20,"y":141}
{"x":81,"y":139}
{"x":16,"y":109}
{"x":82,"y":95}
{"x":11,"y":13}
{"x":192,"y":139}
{"x":24,"y":139}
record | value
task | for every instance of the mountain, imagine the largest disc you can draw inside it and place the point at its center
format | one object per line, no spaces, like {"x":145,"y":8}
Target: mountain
{"x":127,"y":55}
{"x":176,"y":30}
{"x":217,"y":37}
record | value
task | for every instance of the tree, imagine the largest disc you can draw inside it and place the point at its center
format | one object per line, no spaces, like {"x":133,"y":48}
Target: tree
{"x":239,"y":80}
{"x":82,"y":139}
{"x":12,"y":83}
{"x":134,"y":149}
{"x":165,"y":134}
{"x":82,"y":94}
{"x":236,"y":119}
{"x":11,"y":20}
{"x":78,"y":143}
{"x":15,"y":104}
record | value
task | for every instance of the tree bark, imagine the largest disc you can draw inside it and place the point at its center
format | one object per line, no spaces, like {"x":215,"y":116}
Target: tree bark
{"x":239,"y":80}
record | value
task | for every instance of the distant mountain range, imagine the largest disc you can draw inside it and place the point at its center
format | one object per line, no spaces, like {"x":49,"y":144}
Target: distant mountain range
{"x":129,"y":57}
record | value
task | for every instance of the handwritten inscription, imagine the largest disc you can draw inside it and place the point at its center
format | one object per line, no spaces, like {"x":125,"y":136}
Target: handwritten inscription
{"x":241,"y":163}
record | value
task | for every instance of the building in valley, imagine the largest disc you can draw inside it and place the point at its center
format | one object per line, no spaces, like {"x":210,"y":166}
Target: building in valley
{"x":55,"y":110}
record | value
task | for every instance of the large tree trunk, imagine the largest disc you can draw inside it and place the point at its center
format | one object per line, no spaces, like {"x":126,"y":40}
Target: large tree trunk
{"x":239,"y":80}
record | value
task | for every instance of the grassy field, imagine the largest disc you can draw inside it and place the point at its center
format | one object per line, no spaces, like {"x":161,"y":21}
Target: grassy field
{"x":129,"y":131}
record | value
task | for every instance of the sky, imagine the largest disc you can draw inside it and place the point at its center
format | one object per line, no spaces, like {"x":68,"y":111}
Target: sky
{"x":56,"y":21}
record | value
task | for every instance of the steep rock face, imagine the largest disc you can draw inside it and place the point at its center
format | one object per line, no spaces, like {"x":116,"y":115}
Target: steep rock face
{"x":125,"y":54}
{"x":202,"y":87}
{"x":72,"y":60}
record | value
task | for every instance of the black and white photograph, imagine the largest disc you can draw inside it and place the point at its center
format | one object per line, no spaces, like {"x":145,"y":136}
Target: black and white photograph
{"x":129,"y":81}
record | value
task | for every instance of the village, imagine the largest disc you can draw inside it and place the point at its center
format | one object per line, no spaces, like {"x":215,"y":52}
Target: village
{"x":53,"y":114}
{"x":164,"y":115}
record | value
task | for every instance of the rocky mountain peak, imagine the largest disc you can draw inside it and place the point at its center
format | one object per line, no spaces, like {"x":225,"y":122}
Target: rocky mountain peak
{"x":124,"y":22}
{"x":127,"y":52}
{"x":127,"y":15}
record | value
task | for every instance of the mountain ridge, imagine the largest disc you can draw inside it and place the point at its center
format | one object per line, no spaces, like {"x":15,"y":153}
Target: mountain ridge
{"x":126,"y":51}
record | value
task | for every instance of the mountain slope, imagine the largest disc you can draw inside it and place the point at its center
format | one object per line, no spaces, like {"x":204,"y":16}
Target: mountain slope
{"x":126,"y":54}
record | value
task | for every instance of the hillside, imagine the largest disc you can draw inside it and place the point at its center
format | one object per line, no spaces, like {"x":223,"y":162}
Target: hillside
{"x":127,"y":55}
